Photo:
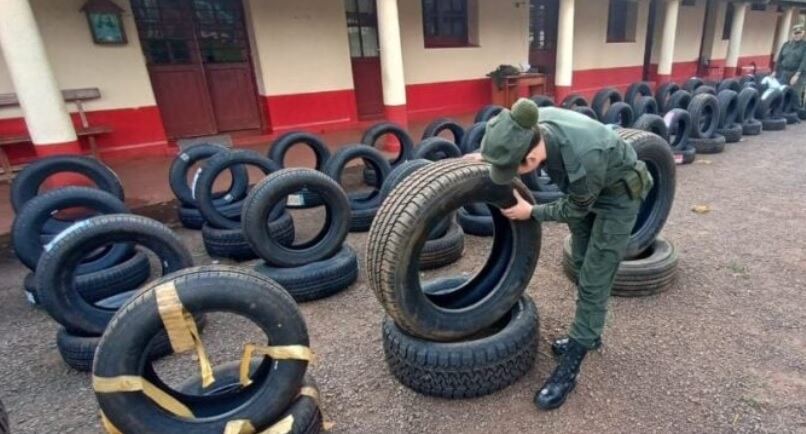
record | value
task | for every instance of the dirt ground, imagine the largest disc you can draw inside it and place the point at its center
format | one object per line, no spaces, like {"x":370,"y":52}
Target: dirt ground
{"x":724,"y":350}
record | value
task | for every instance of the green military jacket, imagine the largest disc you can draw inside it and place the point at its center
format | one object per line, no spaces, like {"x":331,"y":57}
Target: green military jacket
{"x":792,"y":57}
{"x":583,"y":157}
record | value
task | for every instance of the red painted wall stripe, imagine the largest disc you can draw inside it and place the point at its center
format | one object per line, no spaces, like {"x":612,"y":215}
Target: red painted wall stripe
{"x":316,"y":110}
{"x":447,"y":98}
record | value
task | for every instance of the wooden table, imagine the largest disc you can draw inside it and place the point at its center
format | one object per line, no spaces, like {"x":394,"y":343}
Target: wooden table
{"x":534,"y":82}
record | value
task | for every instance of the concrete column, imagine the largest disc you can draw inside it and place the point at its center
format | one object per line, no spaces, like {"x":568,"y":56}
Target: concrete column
{"x":667,"y":42}
{"x":394,"y":82}
{"x":564,"y":69}
{"x":735,"y":43}
{"x":783,"y":31}
{"x":46,"y":116}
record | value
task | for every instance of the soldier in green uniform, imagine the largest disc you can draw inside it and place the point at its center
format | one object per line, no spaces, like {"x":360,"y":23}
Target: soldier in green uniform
{"x":790,"y":67}
{"x":604,"y":185}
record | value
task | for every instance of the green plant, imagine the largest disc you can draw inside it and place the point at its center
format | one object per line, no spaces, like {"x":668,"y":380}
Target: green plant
{"x":500,"y":73}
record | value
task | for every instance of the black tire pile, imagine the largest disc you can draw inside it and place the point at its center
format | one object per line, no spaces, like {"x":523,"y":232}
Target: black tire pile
{"x":266,"y":391}
{"x":454,"y":337}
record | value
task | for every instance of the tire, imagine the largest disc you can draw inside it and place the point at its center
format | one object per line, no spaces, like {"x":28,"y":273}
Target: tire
{"x":653,"y":124}
{"x":678,"y":124}
{"x":318,"y":279}
{"x":619,"y":113}
{"x":125,"y":344}
{"x":692,"y":84}
{"x":444,"y":124}
{"x":397,"y":236}
{"x":93,"y":287}
{"x":304,"y":411}
{"x":751,"y":128}
{"x":177,"y":175}
{"x":679,"y":100}
{"x":543,"y":101}
{"x":573,"y":101}
{"x":712,"y":145}
{"x":791,"y":118}
{"x":192,"y":218}
{"x":603,"y":100}
{"x":443,"y":251}
{"x":436,"y":148}
{"x":636,"y":90}
{"x":56,"y":267}
{"x":214,"y":167}
{"x":791,"y":100}
{"x":732,"y":134}
{"x":728,"y":108}
{"x":773,"y":124}
{"x":769,"y":103}
{"x":651,"y":274}
{"x":467,"y":369}
{"x":802,"y":114}
{"x":747,"y":79}
{"x":645,"y":105}
{"x":472,"y":140}
{"x":26,"y":184}
{"x":685,"y":156}
{"x":746,"y":105}
{"x":272,"y":191}
{"x":729,"y":84}
{"x":704,"y":111}
{"x":663,"y":94}
{"x":587,"y":111}
{"x":280,"y":147}
{"x":232,"y":244}
{"x":375,"y":132}
{"x":4,"y":426}
{"x":30,"y":221}
{"x":478,"y":225}
{"x":362,"y":207}
{"x":487,"y":112}
{"x":704,"y":89}
{"x":654,"y":210}
{"x":397,"y":176}
{"x":78,"y":352}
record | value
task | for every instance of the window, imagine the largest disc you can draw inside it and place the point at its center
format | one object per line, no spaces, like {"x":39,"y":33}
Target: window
{"x":362,"y":28}
{"x":689,"y":3}
{"x":543,"y":24}
{"x":622,"y":21}
{"x":445,"y":23}
{"x":728,"y":22}
{"x":758,"y":6}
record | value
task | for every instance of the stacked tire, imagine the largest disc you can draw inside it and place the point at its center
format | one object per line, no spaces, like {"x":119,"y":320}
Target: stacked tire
{"x":221,"y":232}
{"x":83,"y":319}
{"x":728,"y":125}
{"x":266,"y":391}
{"x":373,"y":138}
{"x":453,"y":337}
{"x":313,"y":269}
{"x":39,"y":221}
{"x":650,"y":261}
{"x":705,"y":113}
{"x":769,"y":110}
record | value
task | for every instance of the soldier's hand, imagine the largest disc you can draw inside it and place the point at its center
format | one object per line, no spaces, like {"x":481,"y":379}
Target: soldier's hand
{"x":794,"y":79}
{"x":520,"y":211}
{"x":476,"y":156}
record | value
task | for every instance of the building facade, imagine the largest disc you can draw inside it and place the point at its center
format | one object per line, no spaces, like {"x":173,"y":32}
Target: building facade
{"x":203,"y":67}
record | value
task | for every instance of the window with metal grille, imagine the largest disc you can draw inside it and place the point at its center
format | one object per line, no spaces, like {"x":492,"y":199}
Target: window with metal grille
{"x":362,"y":28}
{"x":622,"y":20}
{"x":542,"y":26}
{"x":445,"y":23}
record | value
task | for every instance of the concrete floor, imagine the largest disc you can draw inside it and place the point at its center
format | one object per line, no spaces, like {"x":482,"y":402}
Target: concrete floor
{"x":722,"y":351}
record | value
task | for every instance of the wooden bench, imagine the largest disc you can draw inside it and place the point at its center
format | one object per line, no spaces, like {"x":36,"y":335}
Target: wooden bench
{"x":75,"y":96}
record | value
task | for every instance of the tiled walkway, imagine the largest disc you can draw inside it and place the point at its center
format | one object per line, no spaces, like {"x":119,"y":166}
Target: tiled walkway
{"x":145,"y":179}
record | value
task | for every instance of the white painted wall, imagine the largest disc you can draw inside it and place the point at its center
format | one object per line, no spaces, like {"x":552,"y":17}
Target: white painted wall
{"x":688,"y":36}
{"x":118,"y":71}
{"x":591,"y":50}
{"x":758,"y":37}
{"x":503,"y":33}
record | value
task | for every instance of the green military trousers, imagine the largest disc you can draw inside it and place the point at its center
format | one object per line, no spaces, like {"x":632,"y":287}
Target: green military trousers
{"x":597,"y":245}
{"x":785,"y":76}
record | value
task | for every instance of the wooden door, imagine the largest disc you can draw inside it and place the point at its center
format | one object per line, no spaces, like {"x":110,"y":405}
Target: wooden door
{"x":224,"y":51}
{"x":362,"y":29}
{"x":197,"y":53}
{"x":177,"y":75}
{"x":544,"y":15}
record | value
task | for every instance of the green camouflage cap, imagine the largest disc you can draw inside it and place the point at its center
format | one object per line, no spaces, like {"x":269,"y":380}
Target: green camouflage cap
{"x":797,"y":28}
{"x":506,"y":140}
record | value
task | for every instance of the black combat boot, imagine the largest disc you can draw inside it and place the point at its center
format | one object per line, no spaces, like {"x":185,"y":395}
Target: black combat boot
{"x":563,"y":379}
{"x":559,"y":346}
